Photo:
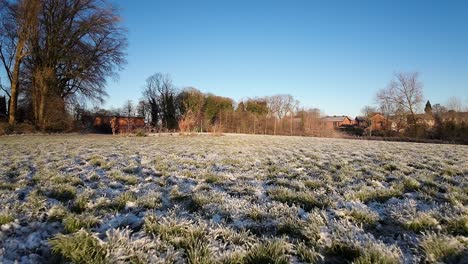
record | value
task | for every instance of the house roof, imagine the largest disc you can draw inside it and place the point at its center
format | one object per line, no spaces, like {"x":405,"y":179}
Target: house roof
{"x":334,"y":118}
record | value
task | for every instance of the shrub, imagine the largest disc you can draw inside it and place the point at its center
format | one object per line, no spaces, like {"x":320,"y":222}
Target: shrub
{"x":80,"y":247}
{"x":21,"y":128}
{"x":140,"y":133}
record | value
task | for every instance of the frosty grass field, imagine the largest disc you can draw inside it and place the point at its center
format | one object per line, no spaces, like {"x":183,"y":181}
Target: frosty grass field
{"x":231,"y":199}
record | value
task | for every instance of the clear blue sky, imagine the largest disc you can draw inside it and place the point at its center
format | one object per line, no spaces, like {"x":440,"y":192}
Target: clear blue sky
{"x":333,"y":55}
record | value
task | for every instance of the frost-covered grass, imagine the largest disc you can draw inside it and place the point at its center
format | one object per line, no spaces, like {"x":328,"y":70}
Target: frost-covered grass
{"x":231,"y":199}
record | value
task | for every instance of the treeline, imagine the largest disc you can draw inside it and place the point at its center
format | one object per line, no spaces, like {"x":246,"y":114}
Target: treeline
{"x":56,"y":53}
{"x":402,"y":104}
{"x":166,"y":108}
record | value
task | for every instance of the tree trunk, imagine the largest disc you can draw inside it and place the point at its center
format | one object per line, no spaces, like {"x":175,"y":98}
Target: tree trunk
{"x":15,"y":83}
{"x":274,"y":130}
{"x":291,"y":125}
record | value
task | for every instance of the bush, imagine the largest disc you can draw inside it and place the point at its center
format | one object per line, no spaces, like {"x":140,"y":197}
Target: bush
{"x":140,"y":133}
{"x":21,"y":128}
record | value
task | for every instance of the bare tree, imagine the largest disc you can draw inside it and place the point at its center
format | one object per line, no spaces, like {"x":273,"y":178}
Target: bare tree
{"x":273,"y":103}
{"x":151,"y":95}
{"x":454,"y":104}
{"x":404,"y":93}
{"x":368,"y":111}
{"x":292,"y":107}
{"x":143,"y":110}
{"x":129,"y":110}
{"x":279,"y":106}
{"x":6,"y":91}
{"x":77,"y":46}
{"x":19,"y":21}
{"x":161,"y":95}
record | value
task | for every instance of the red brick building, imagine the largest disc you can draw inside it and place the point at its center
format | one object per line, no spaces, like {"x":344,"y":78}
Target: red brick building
{"x":336,"y":121}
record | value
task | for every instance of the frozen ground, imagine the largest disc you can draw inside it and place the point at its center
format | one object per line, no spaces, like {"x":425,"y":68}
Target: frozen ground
{"x":231,"y":199}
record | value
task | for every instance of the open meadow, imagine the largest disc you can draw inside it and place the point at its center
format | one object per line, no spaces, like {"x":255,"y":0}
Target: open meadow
{"x":231,"y":199}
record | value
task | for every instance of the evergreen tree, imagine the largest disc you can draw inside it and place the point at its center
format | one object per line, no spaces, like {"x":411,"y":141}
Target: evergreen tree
{"x":428,"y":108}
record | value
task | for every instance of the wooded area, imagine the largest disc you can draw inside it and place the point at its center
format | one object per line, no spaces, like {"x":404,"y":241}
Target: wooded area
{"x":57,"y":56}
{"x":56,"y":53}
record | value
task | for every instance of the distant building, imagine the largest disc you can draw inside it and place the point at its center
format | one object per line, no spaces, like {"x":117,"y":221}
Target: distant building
{"x":336,"y":121}
{"x":378,"y":122}
{"x":361,"y":121}
{"x":456,"y":117}
{"x":124,"y":124}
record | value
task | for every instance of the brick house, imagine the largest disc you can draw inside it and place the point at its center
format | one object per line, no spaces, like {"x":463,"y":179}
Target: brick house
{"x":378,"y":122}
{"x":336,"y":121}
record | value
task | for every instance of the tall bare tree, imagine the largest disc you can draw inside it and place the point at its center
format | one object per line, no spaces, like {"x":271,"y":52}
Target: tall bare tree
{"x":151,"y":95}
{"x":129,"y":110}
{"x":77,"y":46}
{"x":19,"y":21}
{"x":404,"y":93}
{"x":368,"y":110}
{"x":292,"y":108}
{"x":454,"y":104}
{"x":279,"y":106}
{"x":161,"y":95}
